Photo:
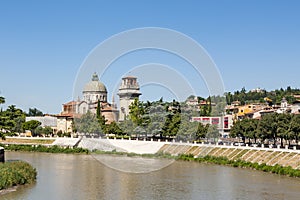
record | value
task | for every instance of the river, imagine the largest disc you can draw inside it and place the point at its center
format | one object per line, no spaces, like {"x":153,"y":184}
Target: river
{"x":82,"y":177}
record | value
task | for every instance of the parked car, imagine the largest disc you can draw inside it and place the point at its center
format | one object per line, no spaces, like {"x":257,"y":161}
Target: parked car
{"x":239,"y":144}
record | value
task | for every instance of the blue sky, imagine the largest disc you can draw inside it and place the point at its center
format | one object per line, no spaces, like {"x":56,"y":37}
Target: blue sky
{"x":43,"y":44}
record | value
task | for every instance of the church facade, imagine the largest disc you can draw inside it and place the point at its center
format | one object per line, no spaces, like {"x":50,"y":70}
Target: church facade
{"x":93,"y":92}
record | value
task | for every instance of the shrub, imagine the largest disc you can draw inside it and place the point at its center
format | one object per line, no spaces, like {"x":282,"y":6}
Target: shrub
{"x":276,"y":169}
{"x":16,"y":173}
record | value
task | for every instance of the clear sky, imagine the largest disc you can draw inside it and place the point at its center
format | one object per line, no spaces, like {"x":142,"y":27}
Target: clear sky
{"x":43,"y":43}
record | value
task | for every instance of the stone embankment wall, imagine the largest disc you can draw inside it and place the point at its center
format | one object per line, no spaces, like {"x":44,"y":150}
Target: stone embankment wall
{"x":269,"y":156}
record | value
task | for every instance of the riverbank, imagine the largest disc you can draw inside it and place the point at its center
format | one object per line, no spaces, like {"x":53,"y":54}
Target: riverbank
{"x":46,"y":149}
{"x":276,"y":169}
{"x":14,"y":173}
{"x":278,"y":161}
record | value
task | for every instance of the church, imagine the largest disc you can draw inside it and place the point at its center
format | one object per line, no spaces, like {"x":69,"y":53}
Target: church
{"x":93,"y":92}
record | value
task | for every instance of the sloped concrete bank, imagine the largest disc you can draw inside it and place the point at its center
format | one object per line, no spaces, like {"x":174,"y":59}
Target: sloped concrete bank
{"x":130,"y":146}
{"x":269,"y":156}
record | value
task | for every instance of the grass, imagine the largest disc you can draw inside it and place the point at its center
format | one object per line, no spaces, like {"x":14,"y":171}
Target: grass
{"x":40,"y":148}
{"x":276,"y":169}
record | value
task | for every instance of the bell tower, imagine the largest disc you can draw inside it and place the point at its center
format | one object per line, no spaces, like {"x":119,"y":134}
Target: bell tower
{"x":128,"y":91}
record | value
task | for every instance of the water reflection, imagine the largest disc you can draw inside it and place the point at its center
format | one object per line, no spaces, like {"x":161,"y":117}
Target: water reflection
{"x":133,"y":164}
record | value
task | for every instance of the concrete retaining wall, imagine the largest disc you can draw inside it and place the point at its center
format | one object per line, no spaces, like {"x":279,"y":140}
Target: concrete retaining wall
{"x":269,"y":156}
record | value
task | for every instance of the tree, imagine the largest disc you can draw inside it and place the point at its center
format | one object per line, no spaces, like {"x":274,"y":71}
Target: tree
{"x":2,"y":100}
{"x":267,"y":127}
{"x":47,"y":131}
{"x":139,"y":130}
{"x":88,"y":124}
{"x":205,"y":110}
{"x":101,"y":119}
{"x":251,"y":129}
{"x":202,"y":130}
{"x":136,"y":112}
{"x":127,"y":127}
{"x":294,"y":128}
{"x":11,"y":120}
{"x":171,"y":125}
{"x":188,"y":130}
{"x":229,"y":98}
{"x":31,"y":125}
{"x":113,"y":128}
{"x":246,"y":128}
{"x":238,"y":130}
{"x":34,"y":112}
{"x":18,"y":124}
{"x":155,"y":118}
{"x":213,"y":132}
{"x":283,"y":124}
{"x":38,"y":131}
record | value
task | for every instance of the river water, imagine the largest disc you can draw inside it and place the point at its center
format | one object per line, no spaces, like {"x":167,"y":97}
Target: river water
{"x":62,"y":176}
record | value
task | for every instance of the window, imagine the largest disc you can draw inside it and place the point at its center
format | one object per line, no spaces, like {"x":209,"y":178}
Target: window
{"x":215,"y":120}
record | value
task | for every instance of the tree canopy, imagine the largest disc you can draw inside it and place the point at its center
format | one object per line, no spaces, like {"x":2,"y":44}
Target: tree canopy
{"x":2,"y":100}
{"x":88,"y":124}
{"x":11,"y":121}
{"x":259,"y":96}
{"x":34,"y":112}
{"x":31,"y":125}
{"x":274,"y":127}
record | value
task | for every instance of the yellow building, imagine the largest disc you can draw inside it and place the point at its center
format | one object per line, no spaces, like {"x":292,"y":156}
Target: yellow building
{"x":248,"y":110}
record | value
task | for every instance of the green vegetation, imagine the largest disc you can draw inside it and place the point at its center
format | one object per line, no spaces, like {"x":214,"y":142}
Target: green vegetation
{"x":40,"y":148}
{"x":31,"y":125}
{"x":167,"y":120}
{"x":276,"y":169}
{"x":272,"y":126}
{"x":33,"y":112}
{"x":259,"y":97}
{"x":155,"y":119}
{"x":11,"y":121}
{"x":16,"y":173}
{"x":88,"y":123}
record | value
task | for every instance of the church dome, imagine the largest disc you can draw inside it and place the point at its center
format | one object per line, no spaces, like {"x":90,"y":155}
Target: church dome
{"x":95,"y":85}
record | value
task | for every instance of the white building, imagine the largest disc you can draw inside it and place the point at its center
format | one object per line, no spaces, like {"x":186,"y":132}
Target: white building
{"x":46,"y":120}
{"x":223,"y":123}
